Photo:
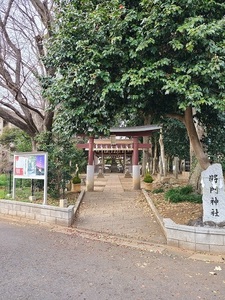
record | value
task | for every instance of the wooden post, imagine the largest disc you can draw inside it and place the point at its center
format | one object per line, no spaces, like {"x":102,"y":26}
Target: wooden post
{"x":91,"y":151}
{"x":136,"y":167}
{"x":90,"y":166}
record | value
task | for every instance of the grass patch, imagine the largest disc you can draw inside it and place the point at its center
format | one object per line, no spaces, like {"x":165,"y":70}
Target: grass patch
{"x":158,"y":191}
{"x":23,"y":191}
{"x":3,"y":193}
{"x":182,"y":194}
{"x":22,"y":195}
{"x":3,"y":180}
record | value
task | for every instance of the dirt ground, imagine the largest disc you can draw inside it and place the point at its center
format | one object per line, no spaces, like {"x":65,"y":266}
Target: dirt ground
{"x":70,"y":196}
{"x":181,"y":213}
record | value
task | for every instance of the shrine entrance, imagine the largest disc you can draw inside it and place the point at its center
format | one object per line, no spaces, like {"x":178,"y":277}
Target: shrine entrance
{"x":113,"y":156}
{"x":117,"y":154}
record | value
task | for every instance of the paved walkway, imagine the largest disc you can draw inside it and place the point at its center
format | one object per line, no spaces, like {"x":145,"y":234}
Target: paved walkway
{"x":114,"y":208}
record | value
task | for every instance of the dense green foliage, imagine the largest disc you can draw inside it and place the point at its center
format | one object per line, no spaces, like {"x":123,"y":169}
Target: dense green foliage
{"x":175,"y":139}
{"x":62,"y":160}
{"x":214,"y":139}
{"x":62,"y":157}
{"x":19,"y":139}
{"x":146,"y":57}
{"x":182,"y":194}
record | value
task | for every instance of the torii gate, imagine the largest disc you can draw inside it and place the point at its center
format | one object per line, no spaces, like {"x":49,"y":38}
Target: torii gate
{"x":135,"y":133}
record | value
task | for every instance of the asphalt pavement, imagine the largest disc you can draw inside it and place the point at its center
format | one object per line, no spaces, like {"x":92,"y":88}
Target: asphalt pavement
{"x":115,"y":251}
{"x":52,"y":263}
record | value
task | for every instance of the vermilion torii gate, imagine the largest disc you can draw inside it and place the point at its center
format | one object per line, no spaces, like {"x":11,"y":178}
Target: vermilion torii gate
{"x":131,"y":132}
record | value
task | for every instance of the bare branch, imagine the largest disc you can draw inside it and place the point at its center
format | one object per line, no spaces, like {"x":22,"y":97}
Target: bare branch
{"x":44,"y":13}
{"x":13,"y":119}
{"x":17,"y":112}
{"x":23,"y":26}
{"x":8,"y":11}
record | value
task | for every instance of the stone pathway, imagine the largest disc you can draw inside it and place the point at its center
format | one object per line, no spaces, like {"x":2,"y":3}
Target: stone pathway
{"x":114,"y":208}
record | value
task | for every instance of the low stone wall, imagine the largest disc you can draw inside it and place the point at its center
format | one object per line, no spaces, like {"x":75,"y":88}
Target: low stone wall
{"x":204,"y":239}
{"x":41,"y":213}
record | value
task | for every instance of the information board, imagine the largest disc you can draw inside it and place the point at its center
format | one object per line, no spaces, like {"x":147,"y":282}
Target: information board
{"x":31,"y":165}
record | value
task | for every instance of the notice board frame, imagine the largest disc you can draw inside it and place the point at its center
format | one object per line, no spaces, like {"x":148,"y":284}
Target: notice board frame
{"x":31,"y":165}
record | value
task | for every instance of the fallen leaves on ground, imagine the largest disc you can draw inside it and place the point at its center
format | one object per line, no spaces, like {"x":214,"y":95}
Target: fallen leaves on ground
{"x":181,"y":213}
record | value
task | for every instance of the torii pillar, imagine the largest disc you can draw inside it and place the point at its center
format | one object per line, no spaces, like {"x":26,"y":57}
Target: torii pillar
{"x":90,"y":166}
{"x":136,"y":167}
{"x":135,"y":132}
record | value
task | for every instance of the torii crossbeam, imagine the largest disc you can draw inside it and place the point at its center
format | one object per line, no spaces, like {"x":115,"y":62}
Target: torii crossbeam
{"x":133,"y":132}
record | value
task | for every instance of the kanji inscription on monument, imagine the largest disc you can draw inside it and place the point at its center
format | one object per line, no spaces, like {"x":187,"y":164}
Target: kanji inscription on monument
{"x":213,"y":194}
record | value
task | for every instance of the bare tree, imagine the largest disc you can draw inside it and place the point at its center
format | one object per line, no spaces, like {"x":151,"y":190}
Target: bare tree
{"x":24,"y":25}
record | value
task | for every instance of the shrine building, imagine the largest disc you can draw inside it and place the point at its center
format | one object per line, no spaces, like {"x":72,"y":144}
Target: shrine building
{"x":121,"y":149}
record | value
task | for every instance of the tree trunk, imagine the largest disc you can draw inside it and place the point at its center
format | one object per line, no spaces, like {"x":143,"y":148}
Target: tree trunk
{"x":162,"y":154}
{"x":34,"y":145}
{"x":21,"y":102}
{"x":145,"y":156}
{"x":195,"y":169}
{"x":146,"y":152}
{"x":195,"y":175}
{"x":194,"y":139}
{"x":154,"y":163}
{"x":199,"y":160}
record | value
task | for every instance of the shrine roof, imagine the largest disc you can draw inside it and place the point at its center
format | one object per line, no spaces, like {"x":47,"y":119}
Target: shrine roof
{"x":135,"y":130}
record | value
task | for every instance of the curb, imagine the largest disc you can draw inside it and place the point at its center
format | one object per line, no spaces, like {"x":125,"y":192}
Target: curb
{"x":155,"y":211}
{"x":140,"y":245}
{"x":120,"y":241}
{"x":78,"y":202}
{"x":196,"y":254}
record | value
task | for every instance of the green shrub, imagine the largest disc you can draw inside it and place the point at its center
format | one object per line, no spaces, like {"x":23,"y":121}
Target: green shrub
{"x":22,"y":183}
{"x":148,"y":178}
{"x":182,"y":194}
{"x":2,"y":194}
{"x":185,"y":190}
{"x":169,"y":195}
{"x":76,"y":179}
{"x":158,"y":191}
{"x":3,"y":180}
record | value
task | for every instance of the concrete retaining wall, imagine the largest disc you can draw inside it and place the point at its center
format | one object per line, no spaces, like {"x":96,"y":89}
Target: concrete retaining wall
{"x":204,"y":239}
{"x":41,"y":213}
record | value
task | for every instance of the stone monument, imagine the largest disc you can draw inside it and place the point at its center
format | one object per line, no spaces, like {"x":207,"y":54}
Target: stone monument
{"x":213,"y":194}
{"x":100,"y":174}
